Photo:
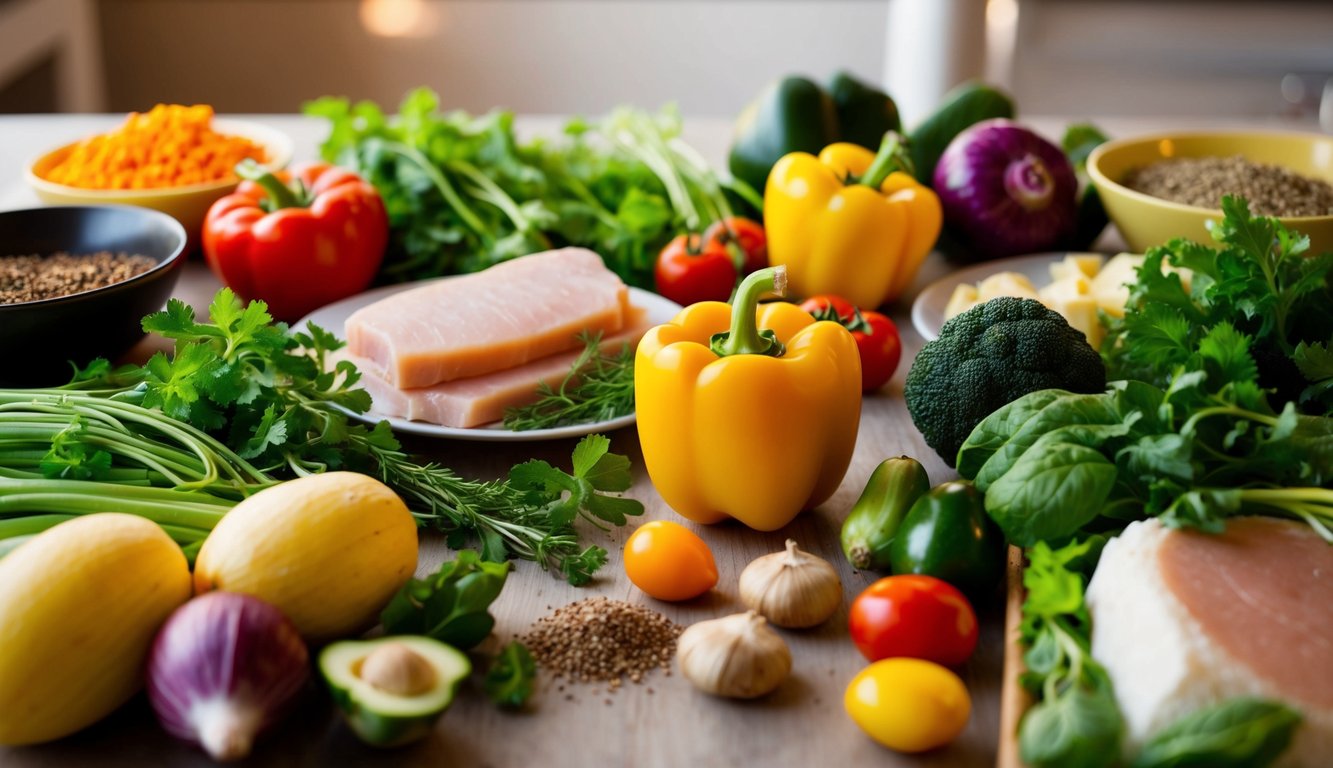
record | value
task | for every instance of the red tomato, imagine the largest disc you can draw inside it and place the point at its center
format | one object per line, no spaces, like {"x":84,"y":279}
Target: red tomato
{"x":747,"y":234}
{"x":920,"y":617}
{"x":876,"y":337}
{"x":691,"y":269}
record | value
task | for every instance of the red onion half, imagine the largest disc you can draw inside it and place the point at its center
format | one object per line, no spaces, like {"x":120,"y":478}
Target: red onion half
{"x":223,"y":668}
{"x":1006,"y":191}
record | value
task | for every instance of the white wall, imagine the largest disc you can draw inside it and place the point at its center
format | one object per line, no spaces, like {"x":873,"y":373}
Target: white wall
{"x":551,"y":56}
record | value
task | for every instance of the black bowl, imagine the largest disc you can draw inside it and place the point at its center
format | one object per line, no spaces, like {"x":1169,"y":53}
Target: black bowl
{"x":39,"y":339}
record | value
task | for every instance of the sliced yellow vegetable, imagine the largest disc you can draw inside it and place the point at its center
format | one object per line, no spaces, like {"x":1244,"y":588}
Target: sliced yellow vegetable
{"x":79,"y":606}
{"x":328,"y":550}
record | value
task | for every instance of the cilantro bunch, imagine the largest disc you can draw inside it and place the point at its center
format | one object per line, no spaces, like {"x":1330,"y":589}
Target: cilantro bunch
{"x":463,"y":193}
{"x":243,"y":402}
{"x":1262,"y":282}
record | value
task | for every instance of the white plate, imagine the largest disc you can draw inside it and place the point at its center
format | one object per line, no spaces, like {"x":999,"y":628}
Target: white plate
{"x":928,"y":309}
{"x":334,"y":316}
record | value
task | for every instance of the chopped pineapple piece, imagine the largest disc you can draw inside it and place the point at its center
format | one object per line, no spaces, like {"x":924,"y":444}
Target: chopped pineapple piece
{"x":1111,"y":286}
{"x":1006,"y":284}
{"x":1081,"y":312}
{"x":1071,"y":287}
{"x":1085,"y":264}
{"x":964,"y":298}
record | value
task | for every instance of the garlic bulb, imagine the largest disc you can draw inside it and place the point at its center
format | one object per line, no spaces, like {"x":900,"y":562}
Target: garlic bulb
{"x":791,"y":588}
{"x":738,"y":656}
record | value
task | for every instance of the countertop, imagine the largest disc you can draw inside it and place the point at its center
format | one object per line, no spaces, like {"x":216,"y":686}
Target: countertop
{"x":663,"y":721}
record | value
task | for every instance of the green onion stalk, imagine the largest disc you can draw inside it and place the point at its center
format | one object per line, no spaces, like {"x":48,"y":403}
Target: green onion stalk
{"x":65,"y":454}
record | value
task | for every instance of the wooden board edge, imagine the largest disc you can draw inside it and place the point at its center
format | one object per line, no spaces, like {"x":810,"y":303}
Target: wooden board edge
{"x":1014,"y":699}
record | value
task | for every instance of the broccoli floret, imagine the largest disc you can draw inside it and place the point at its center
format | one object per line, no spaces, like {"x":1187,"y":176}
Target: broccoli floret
{"x":991,"y":355}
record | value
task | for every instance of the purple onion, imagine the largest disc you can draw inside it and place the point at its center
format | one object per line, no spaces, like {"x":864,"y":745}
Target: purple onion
{"x":1006,"y":191}
{"x":223,"y":668}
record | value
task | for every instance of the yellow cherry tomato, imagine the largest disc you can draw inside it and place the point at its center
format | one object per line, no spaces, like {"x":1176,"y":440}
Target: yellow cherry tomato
{"x":908,"y":705}
{"x":669,"y":562}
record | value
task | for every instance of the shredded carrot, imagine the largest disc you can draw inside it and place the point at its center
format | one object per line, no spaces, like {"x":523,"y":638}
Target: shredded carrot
{"x":169,"y":146}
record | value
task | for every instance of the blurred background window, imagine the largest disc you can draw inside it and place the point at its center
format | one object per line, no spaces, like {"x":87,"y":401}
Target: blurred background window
{"x":1073,"y":57}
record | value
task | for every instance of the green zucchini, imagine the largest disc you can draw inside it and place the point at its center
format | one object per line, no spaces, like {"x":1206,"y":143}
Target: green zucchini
{"x":963,"y":107}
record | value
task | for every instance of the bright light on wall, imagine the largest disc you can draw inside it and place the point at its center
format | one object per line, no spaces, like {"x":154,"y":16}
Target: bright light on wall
{"x":1001,"y":36}
{"x":398,"y":18}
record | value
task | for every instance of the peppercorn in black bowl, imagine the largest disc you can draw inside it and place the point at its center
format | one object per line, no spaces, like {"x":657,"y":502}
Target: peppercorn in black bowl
{"x":75,"y":283}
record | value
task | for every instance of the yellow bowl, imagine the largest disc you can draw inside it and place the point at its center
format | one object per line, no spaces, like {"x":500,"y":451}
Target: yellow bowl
{"x":1145,"y":221}
{"x":187,"y":204}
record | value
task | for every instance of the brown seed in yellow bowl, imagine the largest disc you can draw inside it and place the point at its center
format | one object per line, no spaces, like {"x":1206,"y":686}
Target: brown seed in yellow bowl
{"x":1146,"y":221}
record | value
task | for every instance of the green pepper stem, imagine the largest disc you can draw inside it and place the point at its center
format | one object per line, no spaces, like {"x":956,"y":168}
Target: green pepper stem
{"x":892,"y":156}
{"x":279,"y":195}
{"x":745,"y":338}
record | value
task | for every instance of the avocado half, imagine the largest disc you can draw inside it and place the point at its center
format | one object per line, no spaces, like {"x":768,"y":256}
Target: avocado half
{"x":384,"y":719}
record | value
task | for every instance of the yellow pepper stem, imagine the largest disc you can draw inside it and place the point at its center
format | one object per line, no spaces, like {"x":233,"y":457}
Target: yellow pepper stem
{"x":745,"y":338}
{"x":892,"y":156}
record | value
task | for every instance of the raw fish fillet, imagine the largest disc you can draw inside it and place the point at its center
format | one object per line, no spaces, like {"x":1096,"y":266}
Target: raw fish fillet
{"x":511,"y":314}
{"x":482,"y":399}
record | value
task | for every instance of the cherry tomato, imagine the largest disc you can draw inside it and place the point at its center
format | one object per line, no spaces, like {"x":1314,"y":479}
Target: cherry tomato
{"x":908,"y":705}
{"x":691,"y":269}
{"x":917,"y":616}
{"x":747,"y":234}
{"x":876,"y":337}
{"x":669,"y":562}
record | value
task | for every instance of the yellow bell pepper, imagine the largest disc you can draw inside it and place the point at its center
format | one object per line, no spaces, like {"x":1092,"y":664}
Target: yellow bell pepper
{"x":747,"y":411}
{"x":848,"y":223}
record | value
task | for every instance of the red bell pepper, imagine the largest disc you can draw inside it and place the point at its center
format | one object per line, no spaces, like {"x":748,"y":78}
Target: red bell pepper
{"x":297,"y":245}
{"x":876,"y":337}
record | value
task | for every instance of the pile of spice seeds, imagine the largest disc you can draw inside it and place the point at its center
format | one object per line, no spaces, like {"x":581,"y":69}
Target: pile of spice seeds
{"x":33,"y":278}
{"x":603,"y":640}
{"x":1202,"y":181}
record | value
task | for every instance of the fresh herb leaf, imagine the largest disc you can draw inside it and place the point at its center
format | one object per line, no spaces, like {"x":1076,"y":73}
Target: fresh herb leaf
{"x":510,"y":679}
{"x":462,"y":192}
{"x":598,"y":387}
{"x":450,"y":605}
{"x":1260,"y":282}
{"x":595,"y":471}
{"x":1075,"y":721}
{"x":1237,"y":733}
{"x":69,"y":458}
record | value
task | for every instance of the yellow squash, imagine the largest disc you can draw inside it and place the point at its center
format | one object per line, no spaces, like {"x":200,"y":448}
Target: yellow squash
{"x":747,"y":412}
{"x":79,"y":606}
{"x":328,"y":550}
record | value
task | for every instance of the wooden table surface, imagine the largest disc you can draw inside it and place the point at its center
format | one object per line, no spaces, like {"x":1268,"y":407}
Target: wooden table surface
{"x":661,"y":722}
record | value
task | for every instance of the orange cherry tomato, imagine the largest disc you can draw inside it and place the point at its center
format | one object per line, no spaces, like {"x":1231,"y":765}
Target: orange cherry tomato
{"x":669,"y":562}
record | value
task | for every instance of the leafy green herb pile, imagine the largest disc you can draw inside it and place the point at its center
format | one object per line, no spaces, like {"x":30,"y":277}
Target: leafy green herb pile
{"x":1262,"y":283}
{"x":1190,"y":432}
{"x":1219,"y":405}
{"x":463,"y":193}
{"x":1076,"y":722}
{"x":451,"y":605}
{"x":598,"y":387}
{"x":242,"y":403}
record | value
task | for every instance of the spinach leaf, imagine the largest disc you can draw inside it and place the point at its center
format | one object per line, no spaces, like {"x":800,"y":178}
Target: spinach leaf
{"x":1062,"y":411}
{"x":1237,"y":733}
{"x":451,"y":604}
{"x":996,"y":429}
{"x":1051,"y":491}
{"x":1078,"y":729}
